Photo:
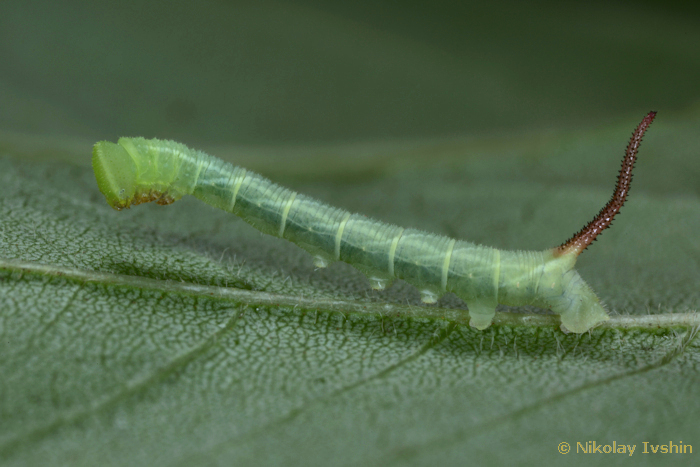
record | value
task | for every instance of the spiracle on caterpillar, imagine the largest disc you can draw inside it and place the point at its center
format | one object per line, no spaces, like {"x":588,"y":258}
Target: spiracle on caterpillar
{"x":139,"y":170}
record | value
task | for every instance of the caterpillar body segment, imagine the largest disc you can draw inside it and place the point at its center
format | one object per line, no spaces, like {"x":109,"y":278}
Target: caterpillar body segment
{"x":138,"y":170}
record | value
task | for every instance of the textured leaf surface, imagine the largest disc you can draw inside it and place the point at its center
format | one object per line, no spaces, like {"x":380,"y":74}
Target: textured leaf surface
{"x":182,"y":336}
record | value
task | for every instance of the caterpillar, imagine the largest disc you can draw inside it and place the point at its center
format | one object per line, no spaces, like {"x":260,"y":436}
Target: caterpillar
{"x":139,"y":170}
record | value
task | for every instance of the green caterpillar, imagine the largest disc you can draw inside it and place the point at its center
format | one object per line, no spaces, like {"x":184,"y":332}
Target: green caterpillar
{"x":138,"y":170}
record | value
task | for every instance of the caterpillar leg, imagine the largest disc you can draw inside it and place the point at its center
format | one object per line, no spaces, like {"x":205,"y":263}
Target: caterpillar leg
{"x":578,"y":306}
{"x":481,"y":314}
{"x":581,"y":319}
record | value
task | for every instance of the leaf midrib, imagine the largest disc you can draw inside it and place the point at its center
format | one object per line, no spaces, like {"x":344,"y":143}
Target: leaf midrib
{"x":358,"y":307}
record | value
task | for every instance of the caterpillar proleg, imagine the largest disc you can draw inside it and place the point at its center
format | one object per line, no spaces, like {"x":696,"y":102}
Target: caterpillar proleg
{"x":138,"y":170}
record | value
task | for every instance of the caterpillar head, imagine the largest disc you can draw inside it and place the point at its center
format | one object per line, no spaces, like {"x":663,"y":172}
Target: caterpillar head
{"x":115,"y":172}
{"x":120,"y":180}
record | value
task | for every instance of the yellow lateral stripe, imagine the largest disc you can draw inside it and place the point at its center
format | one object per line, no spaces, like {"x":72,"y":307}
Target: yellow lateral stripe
{"x":283,"y":223}
{"x":195,"y":179}
{"x":236,"y":188}
{"x":339,"y":235}
{"x":392,"y":252}
{"x":446,"y":264}
{"x":497,"y":276}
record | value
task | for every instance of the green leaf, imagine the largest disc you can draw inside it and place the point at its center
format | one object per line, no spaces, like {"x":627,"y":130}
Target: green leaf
{"x":180,"y":335}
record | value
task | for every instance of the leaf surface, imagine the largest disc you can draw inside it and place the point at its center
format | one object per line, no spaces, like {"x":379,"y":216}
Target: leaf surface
{"x":180,"y":335}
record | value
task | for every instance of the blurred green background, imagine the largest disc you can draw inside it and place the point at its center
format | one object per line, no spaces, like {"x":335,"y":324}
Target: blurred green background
{"x":309,"y":71}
